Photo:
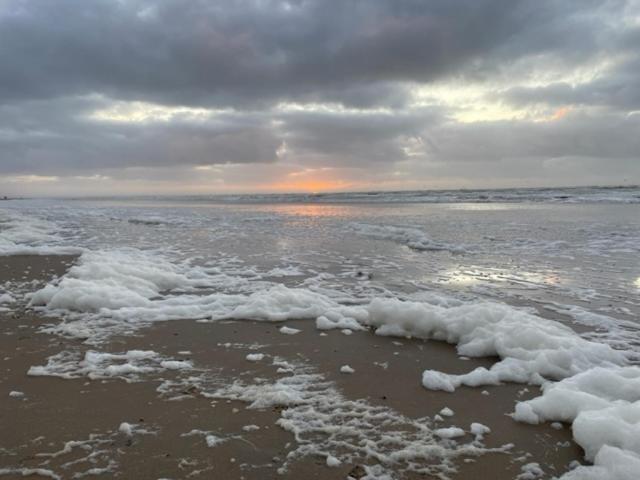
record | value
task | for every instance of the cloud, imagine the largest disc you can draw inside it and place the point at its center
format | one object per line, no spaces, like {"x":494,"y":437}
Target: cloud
{"x":62,"y":137}
{"x":386,"y":93}
{"x":250,"y":53}
{"x":618,"y":88}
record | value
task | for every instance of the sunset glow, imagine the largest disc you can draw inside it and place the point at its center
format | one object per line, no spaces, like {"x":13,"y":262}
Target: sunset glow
{"x":310,"y":186}
{"x":310,"y":181}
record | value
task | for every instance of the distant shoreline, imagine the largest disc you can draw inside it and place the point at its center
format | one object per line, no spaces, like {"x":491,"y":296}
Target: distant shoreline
{"x":621,"y":194}
{"x":335,"y":194}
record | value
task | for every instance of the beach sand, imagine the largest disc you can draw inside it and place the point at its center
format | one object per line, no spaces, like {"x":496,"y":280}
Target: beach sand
{"x":54,"y":411}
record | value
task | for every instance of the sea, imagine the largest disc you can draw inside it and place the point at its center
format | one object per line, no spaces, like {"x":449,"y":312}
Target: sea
{"x":475,"y":268}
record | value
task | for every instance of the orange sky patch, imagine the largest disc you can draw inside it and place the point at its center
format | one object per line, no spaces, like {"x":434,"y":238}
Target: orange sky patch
{"x":310,"y":186}
{"x":311,"y":181}
{"x":560,"y":113}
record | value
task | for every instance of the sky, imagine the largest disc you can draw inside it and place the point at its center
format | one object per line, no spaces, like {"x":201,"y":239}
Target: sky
{"x":109,"y":97}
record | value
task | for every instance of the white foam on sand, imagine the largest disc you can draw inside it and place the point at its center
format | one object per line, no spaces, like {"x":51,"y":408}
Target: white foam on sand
{"x":610,"y":463}
{"x":603,"y":407}
{"x":210,"y":439}
{"x":594,"y":389}
{"x":338,"y":430}
{"x":119,"y":291}
{"x":26,"y":472}
{"x":449,"y":432}
{"x":479,"y":430}
{"x":289,"y":331}
{"x":530,"y":471}
{"x":116,"y":279}
{"x":130,"y":366}
{"x":531,"y":348}
{"x":97,"y":452}
{"x":6,"y":298}
{"x":6,"y":301}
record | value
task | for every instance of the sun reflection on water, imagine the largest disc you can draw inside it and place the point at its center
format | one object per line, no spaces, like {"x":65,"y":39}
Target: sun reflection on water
{"x":477,"y":275}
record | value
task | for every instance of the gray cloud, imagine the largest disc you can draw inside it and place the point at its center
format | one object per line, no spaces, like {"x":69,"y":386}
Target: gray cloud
{"x":575,"y":135}
{"x":55,"y":137}
{"x":618,"y":89}
{"x":247,"y":52}
{"x":355,"y":139}
{"x":361,"y":60}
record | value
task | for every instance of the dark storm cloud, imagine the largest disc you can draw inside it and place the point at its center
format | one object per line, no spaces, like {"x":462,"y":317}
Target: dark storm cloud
{"x":255,"y":52}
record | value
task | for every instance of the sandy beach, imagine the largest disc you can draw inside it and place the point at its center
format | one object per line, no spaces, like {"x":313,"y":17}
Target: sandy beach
{"x":51,"y":412}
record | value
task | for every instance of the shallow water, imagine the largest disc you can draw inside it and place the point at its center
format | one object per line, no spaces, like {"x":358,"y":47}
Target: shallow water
{"x":566,"y":254}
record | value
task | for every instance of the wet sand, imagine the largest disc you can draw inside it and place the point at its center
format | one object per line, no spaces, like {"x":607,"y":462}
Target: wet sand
{"x":54,"y":411}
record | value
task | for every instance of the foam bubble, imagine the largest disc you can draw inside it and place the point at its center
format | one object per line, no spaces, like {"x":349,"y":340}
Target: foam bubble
{"x":412,"y":237}
{"x":130,"y":366}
